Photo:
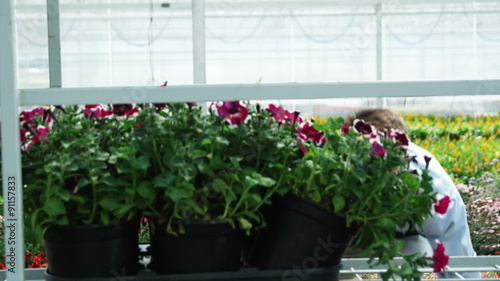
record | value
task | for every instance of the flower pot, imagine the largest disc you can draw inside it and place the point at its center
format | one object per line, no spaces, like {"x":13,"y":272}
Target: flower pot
{"x":206,"y":246}
{"x":92,"y":250}
{"x":301,"y":233}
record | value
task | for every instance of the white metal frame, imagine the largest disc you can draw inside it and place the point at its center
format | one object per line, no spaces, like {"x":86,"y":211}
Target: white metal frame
{"x":12,"y":98}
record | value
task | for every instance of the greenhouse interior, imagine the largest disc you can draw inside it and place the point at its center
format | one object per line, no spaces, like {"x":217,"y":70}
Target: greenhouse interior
{"x":230,"y":140}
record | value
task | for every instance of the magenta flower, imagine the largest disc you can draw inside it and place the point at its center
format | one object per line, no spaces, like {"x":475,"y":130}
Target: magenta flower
{"x":24,"y":132}
{"x":96,"y":110}
{"x":308,"y":132}
{"x":233,"y":111}
{"x":73,"y":186}
{"x":378,"y":149}
{"x":126,"y":109}
{"x":40,"y":136}
{"x":28,"y":116}
{"x":402,"y":139}
{"x":442,"y":204}
{"x":281,"y":115}
{"x":363,"y":128}
{"x":345,"y":129}
{"x":303,"y":149}
{"x":439,"y":257}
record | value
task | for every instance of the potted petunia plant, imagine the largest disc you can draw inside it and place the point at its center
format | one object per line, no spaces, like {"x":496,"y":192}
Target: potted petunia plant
{"x":212,"y":171}
{"x":360,"y":175}
{"x":76,"y":195}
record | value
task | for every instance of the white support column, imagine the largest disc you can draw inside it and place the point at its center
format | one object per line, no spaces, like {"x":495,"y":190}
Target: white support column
{"x":54,"y":36}
{"x":11,"y":156}
{"x":199,"y":55}
{"x":381,"y":101}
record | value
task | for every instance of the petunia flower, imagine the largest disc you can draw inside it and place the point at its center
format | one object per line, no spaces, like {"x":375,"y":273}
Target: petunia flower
{"x":73,"y":185}
{"x":363,"y":128}
{"x":233,"y":111}
{"x":402,"y":139}
{"x":345,"y":129}
{"x":277,"y":112}
{"x":308,"y":132}
{"x":40,"y":136}
{"x":96,"y":110}
{"x":28,"y":116}
{"x":378,"y":149}
{"x":440,"y":259}
{"x":442,"y":203}
{"x":125,"y":109}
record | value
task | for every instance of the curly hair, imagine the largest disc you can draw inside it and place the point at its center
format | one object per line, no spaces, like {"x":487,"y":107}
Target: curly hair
{"x":380,"y":118}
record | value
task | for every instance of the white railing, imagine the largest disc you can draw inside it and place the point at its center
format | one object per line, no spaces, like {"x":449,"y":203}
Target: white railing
{"x":12,"y":98}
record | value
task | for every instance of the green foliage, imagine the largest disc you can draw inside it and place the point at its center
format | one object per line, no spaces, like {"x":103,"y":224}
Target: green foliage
{"x":373,"y":190}
{"x":84,"y":172}
{"x":204,"y":168}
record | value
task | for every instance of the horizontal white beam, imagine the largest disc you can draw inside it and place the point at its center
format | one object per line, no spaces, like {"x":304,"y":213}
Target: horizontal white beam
{"x":203,"y":93}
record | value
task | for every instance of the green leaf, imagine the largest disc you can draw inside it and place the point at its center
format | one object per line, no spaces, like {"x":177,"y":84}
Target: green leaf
{"x":102,"y":156}
{"x":64,"y":194}
{"x":177,"y":193}
{"x":109,"y":203}
{"x":54,"y":207}
{"x":245,"y":224}
{"x":164,"y":180}
{"x":105,"y":218}
{"x":146,"y":189}
{"x":219,"y":185}
{"x":338,"y":203}
{"x":141,"y":163}
{"x":204,"y":168}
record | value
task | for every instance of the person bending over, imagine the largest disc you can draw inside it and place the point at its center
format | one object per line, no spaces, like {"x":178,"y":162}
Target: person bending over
{"x":452,"y":229}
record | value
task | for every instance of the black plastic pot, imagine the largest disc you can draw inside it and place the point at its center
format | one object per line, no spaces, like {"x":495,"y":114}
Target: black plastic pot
{"x":301,"y":234}
{"x":93,"y":250}
{"x":206,"y":246}
{"x":251,"y":274}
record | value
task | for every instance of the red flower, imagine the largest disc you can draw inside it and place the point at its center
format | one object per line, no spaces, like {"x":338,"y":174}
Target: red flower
{"x":378,"y":149}
{"x":442,"y":204}
{"x":96,"y":110}
{"x":362,"y":128}
{"x":277,"y":112}
{"x":40,"y":136}
{"x":124,"y":109}
{"x":345,"y":129}
{"x":303,"y":148}
{"x":139,"y":125}
{"x":233,"y":111}
{"x":440,"y":258}
{"x":24,"y":132}
{"x":402,"y":139}
{"x":2,"y":266}
{"x":308,"y":132}
{"x":73,"y":185}
{"x":28,"y":116}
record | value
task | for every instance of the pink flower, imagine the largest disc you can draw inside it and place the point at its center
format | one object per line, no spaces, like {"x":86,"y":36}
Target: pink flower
{"x":345,"y":129}
{"x":233,"y":111}
{"x":308,"y":132}
{"x":442,"y":204}
{"x":303,"y":148}
{"x":40,"y":136}
{"x":96,"y":110}
{"x":402,"y":139}
{"x":24,"y":132}
{"x":28,"y":116}
{"x":281,"y":115}
{"x":363,"y":128}
{"x":439,"y":257}
{"x":73,"y":186}
{"x":139,"y":125}
{"x":124,"y":109}
{"x":378,"y":149}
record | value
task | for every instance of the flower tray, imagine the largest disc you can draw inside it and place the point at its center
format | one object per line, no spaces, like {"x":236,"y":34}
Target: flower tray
{"x":297,"y":273}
